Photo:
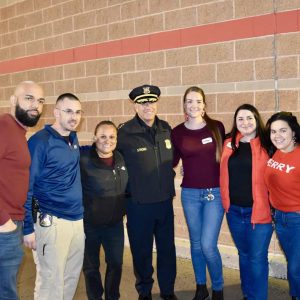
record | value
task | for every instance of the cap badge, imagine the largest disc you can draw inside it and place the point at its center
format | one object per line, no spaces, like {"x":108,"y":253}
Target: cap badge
{"x":146,"y":90}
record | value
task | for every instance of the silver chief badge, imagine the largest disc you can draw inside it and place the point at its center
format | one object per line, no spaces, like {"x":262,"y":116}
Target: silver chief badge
{"x":146,"y":90}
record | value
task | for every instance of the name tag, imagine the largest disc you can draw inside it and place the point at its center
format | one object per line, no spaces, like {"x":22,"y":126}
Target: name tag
{"x":207,"y":140}
{"x":141,"y":149}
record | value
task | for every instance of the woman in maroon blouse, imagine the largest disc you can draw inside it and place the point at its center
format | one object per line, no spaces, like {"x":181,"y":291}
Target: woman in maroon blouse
{"x":198,"y":143}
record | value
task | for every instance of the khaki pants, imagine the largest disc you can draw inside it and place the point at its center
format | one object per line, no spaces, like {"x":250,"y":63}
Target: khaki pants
{"x":58,"y":259}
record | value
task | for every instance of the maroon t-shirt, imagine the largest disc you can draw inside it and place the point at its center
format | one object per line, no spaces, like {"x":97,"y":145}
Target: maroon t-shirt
{"x":197,"y":150}
{"x":14,"y":169}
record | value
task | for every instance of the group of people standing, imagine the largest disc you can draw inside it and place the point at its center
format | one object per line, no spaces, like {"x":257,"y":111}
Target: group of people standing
{"x":75,"y":197}
{"x":253,"y":177}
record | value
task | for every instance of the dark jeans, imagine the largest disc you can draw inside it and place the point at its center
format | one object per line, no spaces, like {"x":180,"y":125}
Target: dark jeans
{"x":112,"y":240}
{"x":287,"y":226}
{"x":11,"y":254}
{"x":144,"y":223}
{"x":252,"y":242}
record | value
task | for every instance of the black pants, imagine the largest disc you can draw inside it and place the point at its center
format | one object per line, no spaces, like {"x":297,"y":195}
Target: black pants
{"x":112,"y":240}
{"x":144,"y":223}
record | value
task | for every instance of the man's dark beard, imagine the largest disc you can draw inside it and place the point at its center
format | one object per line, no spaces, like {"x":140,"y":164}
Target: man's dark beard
{"x":24,"y":118}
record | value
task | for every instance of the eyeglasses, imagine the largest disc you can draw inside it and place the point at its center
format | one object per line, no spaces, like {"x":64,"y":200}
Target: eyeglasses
{"x":70,"y":112}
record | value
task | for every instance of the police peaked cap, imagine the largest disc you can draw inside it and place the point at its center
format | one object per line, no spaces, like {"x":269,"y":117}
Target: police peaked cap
{"x":145,"y":93}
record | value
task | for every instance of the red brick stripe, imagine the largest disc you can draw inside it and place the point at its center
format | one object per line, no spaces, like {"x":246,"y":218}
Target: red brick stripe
{"x":283,"y":22}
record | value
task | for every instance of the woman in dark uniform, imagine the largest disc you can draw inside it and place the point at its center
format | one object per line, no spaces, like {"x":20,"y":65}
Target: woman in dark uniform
{"x":104,"y":179}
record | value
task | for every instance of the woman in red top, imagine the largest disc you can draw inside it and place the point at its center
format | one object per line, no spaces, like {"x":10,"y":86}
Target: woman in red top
{"x":282,"y":177}
{"x":245,"y":199}
{"x":198,"y":143}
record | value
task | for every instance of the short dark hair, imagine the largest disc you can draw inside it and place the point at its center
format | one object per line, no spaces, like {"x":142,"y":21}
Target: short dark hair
{"x":292,"y":122}
{"x":66,"y":95}
{"x":260,"y":127}
{"x":105,"y":122}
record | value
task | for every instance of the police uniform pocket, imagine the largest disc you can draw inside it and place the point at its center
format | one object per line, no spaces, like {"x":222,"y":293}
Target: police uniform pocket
{"x":166,"y":150}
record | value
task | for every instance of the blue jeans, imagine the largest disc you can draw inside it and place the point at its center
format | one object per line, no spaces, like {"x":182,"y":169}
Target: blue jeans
{"x":11,"y":254}
{"x":252,"y":242}
{"x":287,"y":226}
{"x":112,"y":239}
{"x":204,"y":218}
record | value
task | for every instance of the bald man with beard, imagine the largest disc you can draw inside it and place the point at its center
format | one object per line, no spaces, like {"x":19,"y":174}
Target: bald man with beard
{"x":26,"y":108}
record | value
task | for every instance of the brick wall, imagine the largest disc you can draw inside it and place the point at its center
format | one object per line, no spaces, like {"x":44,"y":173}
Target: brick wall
{"x":236,"y":50}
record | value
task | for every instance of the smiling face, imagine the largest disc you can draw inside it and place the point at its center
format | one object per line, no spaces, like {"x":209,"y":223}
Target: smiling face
{"x":194,"y":105}
{"x":106,"y":140}
{"x":67,"y":114}
{"x":246,"y":124}
{"x":27,"y":103}
{"x":146,"y":111}
{"x":282,"y":136}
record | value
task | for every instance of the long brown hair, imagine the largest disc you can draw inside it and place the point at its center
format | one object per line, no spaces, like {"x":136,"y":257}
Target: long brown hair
{"x":260,"y":127}
{"x":211,"y":123}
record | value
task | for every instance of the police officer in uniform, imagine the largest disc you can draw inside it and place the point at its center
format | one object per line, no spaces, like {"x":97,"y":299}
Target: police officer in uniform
{"x":145,"y":144}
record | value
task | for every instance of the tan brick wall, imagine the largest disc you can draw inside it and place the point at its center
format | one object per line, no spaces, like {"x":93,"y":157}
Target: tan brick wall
{"x":231,"y":71}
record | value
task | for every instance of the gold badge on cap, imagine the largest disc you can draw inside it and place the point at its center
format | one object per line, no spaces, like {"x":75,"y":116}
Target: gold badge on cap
{"x":168,"y":144}
{"x":146,"y":90}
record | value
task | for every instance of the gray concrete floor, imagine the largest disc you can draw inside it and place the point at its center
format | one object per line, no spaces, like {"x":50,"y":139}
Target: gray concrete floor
{"x":185,"y":284}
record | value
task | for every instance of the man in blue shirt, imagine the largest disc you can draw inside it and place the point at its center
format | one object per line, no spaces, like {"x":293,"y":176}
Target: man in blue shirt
{"x":57,"y":237}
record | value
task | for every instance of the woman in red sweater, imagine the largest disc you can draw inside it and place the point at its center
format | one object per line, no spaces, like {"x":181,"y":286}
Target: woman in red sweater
{"x":282,"y":177}
{"x":245,"y":199}
{"x":198,"y":143}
